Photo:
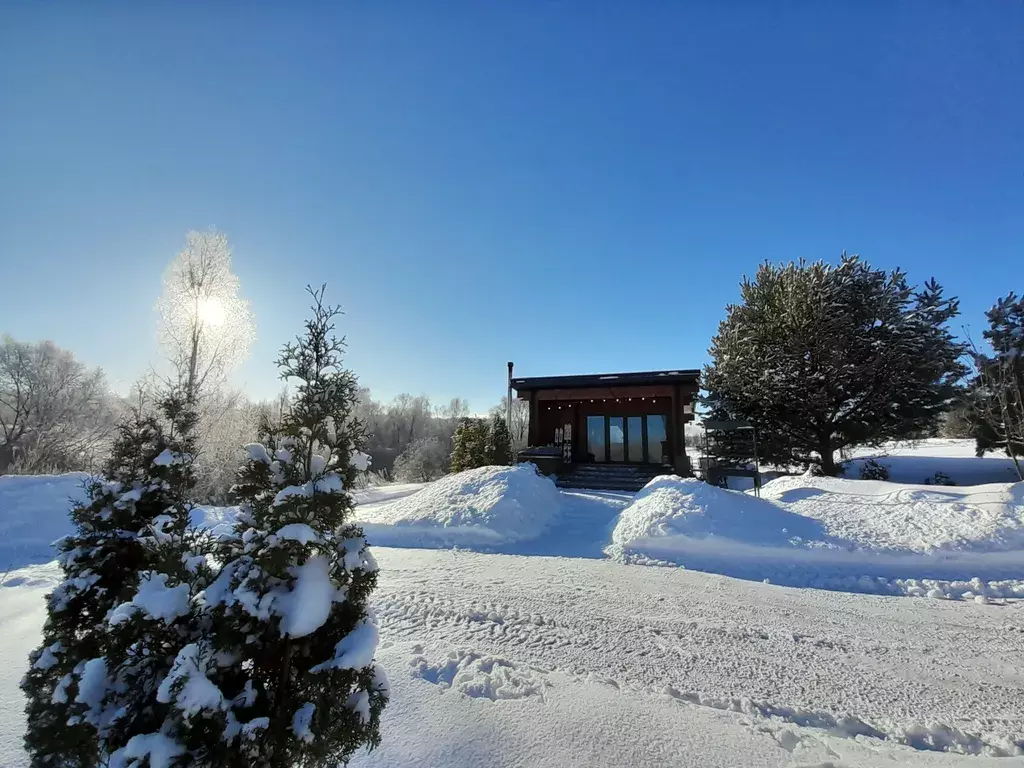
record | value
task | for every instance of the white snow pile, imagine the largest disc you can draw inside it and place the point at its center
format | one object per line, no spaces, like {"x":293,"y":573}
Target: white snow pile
{"x":481,"y":507}
{"x":851,"y":535}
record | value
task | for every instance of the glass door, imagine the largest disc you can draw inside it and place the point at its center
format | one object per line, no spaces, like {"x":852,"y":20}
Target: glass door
{"x":595,"y":438}
{"x":616,"y":439}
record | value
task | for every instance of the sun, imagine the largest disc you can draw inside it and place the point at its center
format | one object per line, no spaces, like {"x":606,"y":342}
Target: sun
{"x":211,"y":311}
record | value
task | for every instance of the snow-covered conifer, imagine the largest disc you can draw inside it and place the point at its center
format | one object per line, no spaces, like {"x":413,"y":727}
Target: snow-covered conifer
{"x":69,"y":679}
{"x":285,"y":675}
{"x":499,"y":442}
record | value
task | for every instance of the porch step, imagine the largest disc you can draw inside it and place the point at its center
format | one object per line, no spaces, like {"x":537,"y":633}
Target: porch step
{"x":612,"y":477}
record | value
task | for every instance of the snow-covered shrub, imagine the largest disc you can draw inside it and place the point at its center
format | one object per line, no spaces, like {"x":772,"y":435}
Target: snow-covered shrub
{"x":422,"y":461}
{"x":872,"y":470}
{"x":284,"y":673}
{"x":81,"y":695}
{"x":939,"y":478}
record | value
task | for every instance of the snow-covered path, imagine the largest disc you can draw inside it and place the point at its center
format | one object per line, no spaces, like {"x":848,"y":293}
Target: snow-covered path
{"x":500,"y":660}
{"x":928,"y":674}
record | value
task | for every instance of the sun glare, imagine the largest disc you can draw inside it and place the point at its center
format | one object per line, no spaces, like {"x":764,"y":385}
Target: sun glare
{"x":211,"y":311}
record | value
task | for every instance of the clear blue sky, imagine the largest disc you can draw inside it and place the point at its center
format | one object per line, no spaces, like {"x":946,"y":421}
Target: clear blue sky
{"x":575,"y":186}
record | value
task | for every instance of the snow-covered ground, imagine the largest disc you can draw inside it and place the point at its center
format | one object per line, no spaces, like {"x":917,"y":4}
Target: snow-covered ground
{"x":537,"y":649}
{"x":919,"y":461}
{"x":852,"y":535}
{"x":499,"y":660}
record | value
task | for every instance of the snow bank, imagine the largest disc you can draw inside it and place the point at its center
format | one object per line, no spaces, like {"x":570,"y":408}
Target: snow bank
{"x":850,"y":535}
{"x":479,"y":507}
{"x":903,"y":517}
{"x":34,"y":513}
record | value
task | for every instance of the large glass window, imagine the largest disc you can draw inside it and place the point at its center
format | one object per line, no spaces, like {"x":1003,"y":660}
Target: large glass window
{"x":635,"y":438}
{"x":595,"y":437}
{"x":656,"y":436}
{"x":616,"y":439}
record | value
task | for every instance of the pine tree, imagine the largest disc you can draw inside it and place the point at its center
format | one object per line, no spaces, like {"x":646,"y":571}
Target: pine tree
{"x":996,"y":392}
{"x":470,"y":445}
{"x":67,"y":682}
{"x":820,"y":357}
{"x":285,"y":671}
{"x":499,"y":442}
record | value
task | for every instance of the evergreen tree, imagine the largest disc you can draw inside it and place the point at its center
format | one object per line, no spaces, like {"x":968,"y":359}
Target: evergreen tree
{"x":285,"y":673}
{"x":470,"y":445}
{"x":821,"y":357}
{"x":67,"y":682}
{"x":996,"y":392}
{"x":499,"y":442}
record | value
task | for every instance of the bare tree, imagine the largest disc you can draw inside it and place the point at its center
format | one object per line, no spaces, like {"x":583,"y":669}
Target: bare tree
{"x":55,"y":413}
{"x":519,"y":427}
{"x":206,"y":328}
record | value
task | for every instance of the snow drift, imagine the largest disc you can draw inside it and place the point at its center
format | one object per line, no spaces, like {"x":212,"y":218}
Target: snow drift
{"x":851,"y":535}
{"x":487,"y":506}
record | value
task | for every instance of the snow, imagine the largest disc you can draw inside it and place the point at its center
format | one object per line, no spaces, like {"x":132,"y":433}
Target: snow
{"x":169,"y":458}
{"x":155,"y":599}
{"x":478,"y":507}
{"x":302,"y":720}
{"x":851,"y":535}
{"x":915,"y":462}
{"x":187,"y":686}
{"x":361,"y":461}
{"x":299,"y":532}
{"x":258,"y":452}
{"x":307,"y":606}
{"x":34,"y":514}
{"x":499,"y":661}
{"x":159,"y":748}
{"x":356,"y":649}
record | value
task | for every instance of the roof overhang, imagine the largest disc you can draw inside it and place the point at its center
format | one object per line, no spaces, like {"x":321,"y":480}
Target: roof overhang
{"x":599,"y":380}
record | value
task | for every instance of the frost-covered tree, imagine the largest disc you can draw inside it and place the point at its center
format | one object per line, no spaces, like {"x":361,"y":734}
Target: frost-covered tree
{"x":519,"y":427}
{"x":68,"y":681}
{"x":56,"y":414}
{"x":821,"y":357}
{"x":469,"y":445}
{"x":423,"y":460}
{"x":206,"y":328}
{"x":285,"y":674}
{"x":499,"y":442}
{"x":996,"y":393}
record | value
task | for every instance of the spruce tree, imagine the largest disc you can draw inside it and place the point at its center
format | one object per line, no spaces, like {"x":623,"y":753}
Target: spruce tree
{"x":499,"y":442}
{"x":470,"y":445}
{"x":286,"y":670}
{"x":822,"y":357}
{"x":67,"y":681}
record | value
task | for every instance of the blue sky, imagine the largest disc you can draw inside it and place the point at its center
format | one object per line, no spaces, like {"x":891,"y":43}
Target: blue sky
{"x":578,"y":187}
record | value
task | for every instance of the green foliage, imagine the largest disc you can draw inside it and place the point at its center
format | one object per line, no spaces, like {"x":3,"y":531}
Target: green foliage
{"x":499,"y":442}
{"x":996,"y":392}
{"x":872,"y":470}
{"x":141,"y":493}
{"x":470,"y":445}
{"x":290,"y":639}
{"x":820,"y":357}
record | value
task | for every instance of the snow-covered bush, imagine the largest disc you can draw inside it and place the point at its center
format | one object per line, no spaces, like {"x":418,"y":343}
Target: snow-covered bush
{"x":422,"y":461}
{"x":939,"y":478}
{"x":79,"y":678}
{"x":284,"y":674}
{"x":872,"y":470}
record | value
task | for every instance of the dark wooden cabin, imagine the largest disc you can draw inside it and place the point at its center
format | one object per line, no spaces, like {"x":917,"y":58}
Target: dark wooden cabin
{"x":613,"y":418}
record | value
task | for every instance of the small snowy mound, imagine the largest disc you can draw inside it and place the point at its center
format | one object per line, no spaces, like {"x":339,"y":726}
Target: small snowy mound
{"x":481,"y":507}
{"x":671,"y":514}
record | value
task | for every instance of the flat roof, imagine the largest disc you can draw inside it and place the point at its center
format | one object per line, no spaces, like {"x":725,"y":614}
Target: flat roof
{"x":676,"y":376}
